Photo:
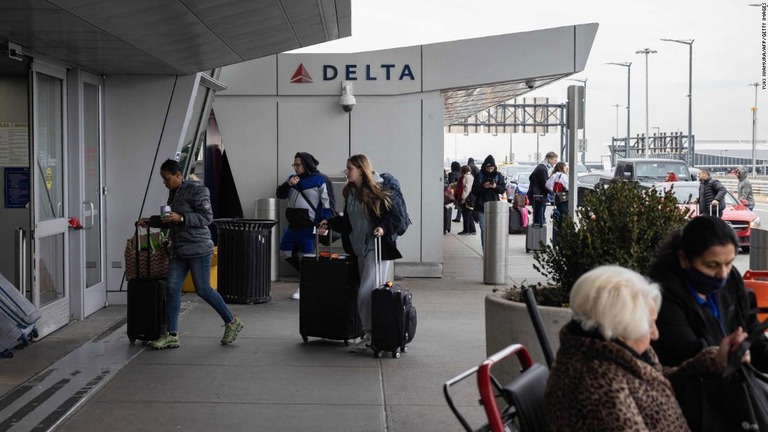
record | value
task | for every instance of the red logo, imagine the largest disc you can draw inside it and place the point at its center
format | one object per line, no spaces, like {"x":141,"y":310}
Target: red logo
{"x":301,"y":76}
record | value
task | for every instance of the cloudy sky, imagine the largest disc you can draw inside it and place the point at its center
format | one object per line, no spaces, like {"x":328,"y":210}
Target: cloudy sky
{"x":727,"y":57}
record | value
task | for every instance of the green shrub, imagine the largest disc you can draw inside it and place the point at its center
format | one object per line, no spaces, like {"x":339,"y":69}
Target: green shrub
{"x":622,"y":224}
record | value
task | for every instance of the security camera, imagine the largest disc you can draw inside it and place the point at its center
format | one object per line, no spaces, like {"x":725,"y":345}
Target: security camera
{"x":530,"y":83}
{"x":347,"y":100}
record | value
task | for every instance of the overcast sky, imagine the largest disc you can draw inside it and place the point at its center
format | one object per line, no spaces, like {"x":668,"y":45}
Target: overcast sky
{"x":727,"y":56}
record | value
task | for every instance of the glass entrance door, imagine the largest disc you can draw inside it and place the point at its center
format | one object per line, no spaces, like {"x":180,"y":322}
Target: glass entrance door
{"x":49,"y":204}
{"x":93,"y":223}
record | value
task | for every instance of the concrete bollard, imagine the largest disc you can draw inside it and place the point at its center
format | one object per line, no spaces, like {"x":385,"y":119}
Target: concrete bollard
{"x":496,"y":241}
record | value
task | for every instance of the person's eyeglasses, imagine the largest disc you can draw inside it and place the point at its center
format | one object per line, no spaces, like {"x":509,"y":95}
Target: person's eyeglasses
{"x":296,"y":165}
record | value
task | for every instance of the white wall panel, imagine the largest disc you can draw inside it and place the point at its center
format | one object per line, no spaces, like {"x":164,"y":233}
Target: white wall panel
{"x":316,"y":125}
{"x":134,"y":112}
{"x":249,"y":136}
{"x":255,"y":77}
{"x":388,"y":131}
{"x":432,"y":178}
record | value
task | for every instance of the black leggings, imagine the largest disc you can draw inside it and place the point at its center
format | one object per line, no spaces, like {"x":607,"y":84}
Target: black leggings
{"x":469,"y":223}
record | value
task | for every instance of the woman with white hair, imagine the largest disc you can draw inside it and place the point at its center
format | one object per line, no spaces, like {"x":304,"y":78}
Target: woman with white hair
{"x":606,"y":376}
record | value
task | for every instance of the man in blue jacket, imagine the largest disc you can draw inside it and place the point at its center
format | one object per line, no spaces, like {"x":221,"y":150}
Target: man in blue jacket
{"x":306,"y":192}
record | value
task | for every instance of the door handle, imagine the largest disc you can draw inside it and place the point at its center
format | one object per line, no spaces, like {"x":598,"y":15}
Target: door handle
{"x":21,"y":260}
{"x":93,"y":216}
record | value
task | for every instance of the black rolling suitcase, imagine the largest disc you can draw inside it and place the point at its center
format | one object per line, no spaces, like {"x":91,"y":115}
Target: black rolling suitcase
{"x":146,"y":302}
{"x":393,"y":315}
{"x":328,"y":302}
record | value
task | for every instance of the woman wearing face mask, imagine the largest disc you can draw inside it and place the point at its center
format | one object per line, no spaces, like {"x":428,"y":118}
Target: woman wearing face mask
{"x":703,"y":300}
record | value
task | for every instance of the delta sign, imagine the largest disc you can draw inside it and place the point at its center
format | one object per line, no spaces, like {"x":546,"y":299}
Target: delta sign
{"x":354,"y":72}
{"x":389,"y":72}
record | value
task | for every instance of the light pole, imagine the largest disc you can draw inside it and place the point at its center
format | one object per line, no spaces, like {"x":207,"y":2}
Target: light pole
{"x":627,"y":65}
{"x":584,"y":114}
{"x":646,"y":51}
{"x":538,"y":155}
{"x":691,"y":148}
{"x":617,"y":117}
{"x":754,"y":131}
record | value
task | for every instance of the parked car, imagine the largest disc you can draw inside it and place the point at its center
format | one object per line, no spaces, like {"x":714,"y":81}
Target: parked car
{"x":647,"y":172}
{"x":736,"y":214}
{"x":589,"y":181}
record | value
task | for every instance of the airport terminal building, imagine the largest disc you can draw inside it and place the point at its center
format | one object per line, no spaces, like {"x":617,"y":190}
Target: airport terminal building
{"x":92,"y":105}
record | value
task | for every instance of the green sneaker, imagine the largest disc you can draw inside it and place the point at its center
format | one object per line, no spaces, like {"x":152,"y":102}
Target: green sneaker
{"x":166,"y":341}
{"x":231,"y":330}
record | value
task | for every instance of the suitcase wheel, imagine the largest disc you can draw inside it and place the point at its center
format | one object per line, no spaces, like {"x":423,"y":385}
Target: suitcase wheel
{"x":131,"y":340}
{"x":306,"y":339}
{"x":378,"y":354}
{"x":346,"y":342}
{"x":396,"y":354}
{"x":405,"y":349}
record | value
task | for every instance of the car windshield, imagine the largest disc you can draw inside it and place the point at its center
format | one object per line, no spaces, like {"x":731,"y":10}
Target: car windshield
{"x":689,"y":193}
{"x":650,"y":171}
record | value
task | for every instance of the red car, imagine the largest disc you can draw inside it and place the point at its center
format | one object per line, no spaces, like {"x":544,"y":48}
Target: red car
{"x":737,"y":215}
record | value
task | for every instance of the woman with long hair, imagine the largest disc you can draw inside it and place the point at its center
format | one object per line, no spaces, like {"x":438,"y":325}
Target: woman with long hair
{"x":367,"y":215}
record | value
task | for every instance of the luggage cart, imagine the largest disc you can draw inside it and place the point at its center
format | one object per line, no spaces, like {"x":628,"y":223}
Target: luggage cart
{"x":523,"y":397}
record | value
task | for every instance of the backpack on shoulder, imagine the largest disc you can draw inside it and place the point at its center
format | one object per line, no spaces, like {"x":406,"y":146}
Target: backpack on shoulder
{"x":392,"y":185}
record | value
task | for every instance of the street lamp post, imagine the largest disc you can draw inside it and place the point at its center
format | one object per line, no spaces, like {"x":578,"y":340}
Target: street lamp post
{"x":538,"y":155}
{"x":646,"y":51}
{"x":754,"y":131}
{"x":584,"y":113}
{"x":691,"y":146}
{"x":627,"y":65}
{"x":617,"y":117}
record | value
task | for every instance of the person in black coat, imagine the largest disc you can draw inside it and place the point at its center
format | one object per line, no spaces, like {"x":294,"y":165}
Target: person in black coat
{"x":472,"y":166}
{"x":453,"y":177}
{"x":488,"y":185}
{"x":703,"y":299}
{"x":537,"y":189}
{"x":711,"y":193}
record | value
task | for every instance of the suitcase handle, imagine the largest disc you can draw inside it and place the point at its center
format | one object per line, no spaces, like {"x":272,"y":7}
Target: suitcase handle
{"x":329,"y":233}
{"x":377,"y":260}
{"x":717,"y":214}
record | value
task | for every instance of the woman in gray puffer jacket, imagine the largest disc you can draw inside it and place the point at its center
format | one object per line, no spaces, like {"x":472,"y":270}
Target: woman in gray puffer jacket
{"x":191,"y":252}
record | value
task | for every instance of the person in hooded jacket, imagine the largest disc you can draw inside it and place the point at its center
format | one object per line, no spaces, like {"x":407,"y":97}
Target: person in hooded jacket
{"x":308,"y":201}
{"x":368,"y":214}
{"x":704,"y":299}
{"x":191,"y":252}
{"x":745,"y":187}
{"x":711,"y":194}
{"x":488,"y":185}
{"x":453,"y":177}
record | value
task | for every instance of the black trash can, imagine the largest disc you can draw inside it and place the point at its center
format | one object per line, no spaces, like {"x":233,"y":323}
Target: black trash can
{"x":244,"y":260}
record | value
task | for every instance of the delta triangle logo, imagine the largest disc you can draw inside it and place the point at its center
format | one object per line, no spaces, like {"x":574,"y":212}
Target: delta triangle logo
{"x":301,"y":76}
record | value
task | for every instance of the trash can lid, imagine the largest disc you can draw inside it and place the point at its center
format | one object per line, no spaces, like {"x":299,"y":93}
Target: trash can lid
{"x":244,"y":224}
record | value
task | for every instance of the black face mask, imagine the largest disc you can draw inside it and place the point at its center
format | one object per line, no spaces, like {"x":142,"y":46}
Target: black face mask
{"x":702,"y":283}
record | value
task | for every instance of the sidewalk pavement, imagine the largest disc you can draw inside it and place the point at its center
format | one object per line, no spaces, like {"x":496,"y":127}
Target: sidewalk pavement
{"x":269,"y":379}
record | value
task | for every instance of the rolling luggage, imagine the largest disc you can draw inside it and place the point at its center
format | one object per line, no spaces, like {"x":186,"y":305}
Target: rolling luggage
{"x":516,"y":220}
{"x":146,"y":302}
{"x":393,"y":315}
{"x":328,"y":304}
{"x":536,"y":235}
{"x":17,"y":318}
